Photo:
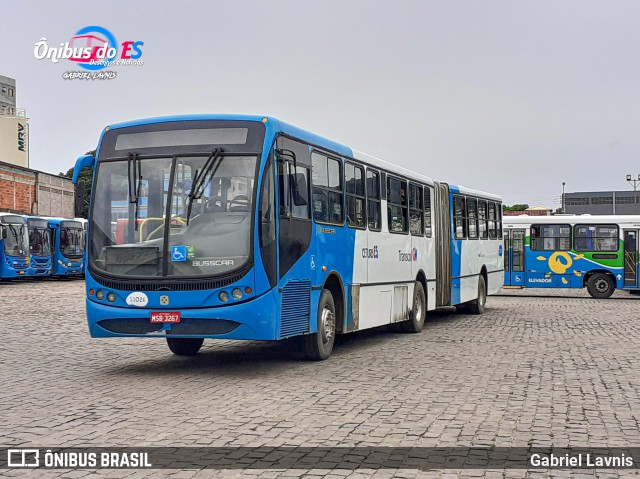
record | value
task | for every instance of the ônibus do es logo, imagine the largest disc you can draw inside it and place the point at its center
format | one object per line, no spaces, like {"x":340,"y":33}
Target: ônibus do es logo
{"x":93,"y":49}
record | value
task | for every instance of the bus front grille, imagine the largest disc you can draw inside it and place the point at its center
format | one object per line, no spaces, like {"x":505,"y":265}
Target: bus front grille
{"x":190,"y":326}
{"x":164,"y":285}
{"x":296,"y":306}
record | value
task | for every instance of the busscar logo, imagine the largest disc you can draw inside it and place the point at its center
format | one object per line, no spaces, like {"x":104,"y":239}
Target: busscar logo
{"x":23,"y":458}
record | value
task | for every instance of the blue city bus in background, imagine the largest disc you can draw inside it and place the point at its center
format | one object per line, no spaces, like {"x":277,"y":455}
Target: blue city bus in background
{"x":39,"y":246}
{"x":245,"y":227}
{"x":14,"y":246}
{"x":599,"y":253}
{"x":68,"y":246}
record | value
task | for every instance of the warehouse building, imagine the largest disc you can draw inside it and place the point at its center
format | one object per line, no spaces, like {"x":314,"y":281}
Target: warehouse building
{"x":602,"y":203}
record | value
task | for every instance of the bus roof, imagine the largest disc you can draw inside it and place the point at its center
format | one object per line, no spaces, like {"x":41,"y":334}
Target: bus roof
{"x":14,"y":216}
{"x":570,"y":219}
{"x":57,"y":221}
{"x":308,"y":137}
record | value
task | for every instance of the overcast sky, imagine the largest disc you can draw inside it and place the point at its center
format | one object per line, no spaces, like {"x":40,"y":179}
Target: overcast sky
{"x":506,"y":96}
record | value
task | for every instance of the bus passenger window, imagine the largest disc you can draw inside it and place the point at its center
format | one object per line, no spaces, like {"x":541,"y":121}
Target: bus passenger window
{"x":459,"y":217}
{"x":427,"y":211}
{"x":596,"y":237}
{"x":472,"y":218}
{"x":374,"y":212}
{"x":493,"y":224}
{"x":482,"y":219}
{"x":327,"y":189}
{"x":550,"y":237}
{"x":354,"y":181}
{"x":397,"y":205}
{"x":416,"y":215}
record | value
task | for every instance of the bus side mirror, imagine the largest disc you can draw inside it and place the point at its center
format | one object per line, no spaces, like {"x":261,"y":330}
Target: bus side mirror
{"x":78,"y":205}
{"x":85,"y":161}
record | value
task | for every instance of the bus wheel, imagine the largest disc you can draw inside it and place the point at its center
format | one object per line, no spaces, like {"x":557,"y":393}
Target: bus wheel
{"x":318,"y":346}
{"x":415,"y":323}
{"x":477,"y":305}
{"x":185,"y":346}
{"x":601,"y":286}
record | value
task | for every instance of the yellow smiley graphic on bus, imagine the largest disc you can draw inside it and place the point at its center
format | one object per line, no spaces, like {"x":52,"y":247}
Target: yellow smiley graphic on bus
{"x":560,"y":261}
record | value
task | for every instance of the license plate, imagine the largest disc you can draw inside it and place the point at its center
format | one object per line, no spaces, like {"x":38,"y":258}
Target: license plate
{"x":165,"y":317}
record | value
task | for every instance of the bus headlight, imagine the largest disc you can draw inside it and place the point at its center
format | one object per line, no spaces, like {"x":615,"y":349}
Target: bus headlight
{"x":100,"y":294}
{"x":111,"y":297}
{"x":237,"y":293}
{"x":224,"y":296}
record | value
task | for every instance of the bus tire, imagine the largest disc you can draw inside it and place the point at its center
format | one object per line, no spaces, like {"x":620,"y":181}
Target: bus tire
{"x":418,"y":314}
{"x":601,"y":286}
{"x":185,"y":346}
{"x":477,"y":305}
{"x":318,"y":346}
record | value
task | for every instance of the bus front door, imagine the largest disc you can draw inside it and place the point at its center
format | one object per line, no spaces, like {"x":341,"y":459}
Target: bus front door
{"x":630,"y":258}
{"x":514,"y":257}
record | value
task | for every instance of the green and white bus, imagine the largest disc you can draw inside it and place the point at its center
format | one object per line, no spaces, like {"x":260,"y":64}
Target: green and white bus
{"x":572,"y":251}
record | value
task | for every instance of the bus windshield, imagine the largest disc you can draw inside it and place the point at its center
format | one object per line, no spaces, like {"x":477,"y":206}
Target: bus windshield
{"x":17,"y":242}
{"x":71,"y":239}
{"x":184,"y":216}
{"x":39,"y":240}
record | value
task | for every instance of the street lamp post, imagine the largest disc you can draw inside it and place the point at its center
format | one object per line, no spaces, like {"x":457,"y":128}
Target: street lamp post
{"x":563,"y":197}
{"x":633,"y":182}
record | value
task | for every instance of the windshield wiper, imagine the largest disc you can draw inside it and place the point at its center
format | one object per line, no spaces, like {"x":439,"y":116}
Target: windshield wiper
{"x":198,"y":181}
{"x":135,"y":181}
{"x":19,"y":237}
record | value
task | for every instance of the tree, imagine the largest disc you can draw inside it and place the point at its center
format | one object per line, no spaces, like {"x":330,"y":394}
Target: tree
{"x":84,"y":185}
{"x":516,"y":207}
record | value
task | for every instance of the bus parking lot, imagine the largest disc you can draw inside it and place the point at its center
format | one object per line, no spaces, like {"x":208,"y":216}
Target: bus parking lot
{"x":538,"y":368}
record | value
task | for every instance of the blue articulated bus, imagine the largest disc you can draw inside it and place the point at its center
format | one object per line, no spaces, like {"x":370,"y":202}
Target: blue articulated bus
{"x":68,"y":247}
{"x":244,"y":227}
{"x":14,"y":246}
{"x":597,"y":252}
{"x":39,"y":246}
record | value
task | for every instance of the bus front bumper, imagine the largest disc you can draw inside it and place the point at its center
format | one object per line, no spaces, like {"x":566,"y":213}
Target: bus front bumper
{"x":255,"y":319}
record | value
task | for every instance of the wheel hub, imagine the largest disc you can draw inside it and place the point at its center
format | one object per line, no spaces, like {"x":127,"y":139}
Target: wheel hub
{"x":328,"y":325}
{"x":601,"y":286}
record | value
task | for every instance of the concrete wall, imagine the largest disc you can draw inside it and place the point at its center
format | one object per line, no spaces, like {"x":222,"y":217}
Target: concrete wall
{"x":55,"y":196}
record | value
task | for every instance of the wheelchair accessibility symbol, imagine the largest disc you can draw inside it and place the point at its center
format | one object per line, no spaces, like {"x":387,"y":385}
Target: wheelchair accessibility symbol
{"x":178,"y":253}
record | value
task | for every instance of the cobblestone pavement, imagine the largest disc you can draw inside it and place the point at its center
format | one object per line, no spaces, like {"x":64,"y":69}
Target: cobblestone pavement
{"x":533,"y":370}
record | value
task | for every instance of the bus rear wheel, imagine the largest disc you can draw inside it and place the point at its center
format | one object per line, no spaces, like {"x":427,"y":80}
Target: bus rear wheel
{"x":601,"y":286}
{"x":318,"y":346}
{"x":185,"y":346}
{"x":415,"y":323}
{"x":477,"y":305}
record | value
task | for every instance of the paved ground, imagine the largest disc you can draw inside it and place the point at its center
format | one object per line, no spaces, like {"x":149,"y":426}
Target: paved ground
{"x":562,"y":371}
